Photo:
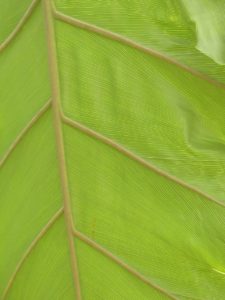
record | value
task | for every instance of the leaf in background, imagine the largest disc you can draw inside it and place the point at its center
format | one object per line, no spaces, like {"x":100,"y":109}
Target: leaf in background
{"x":112,"y":150}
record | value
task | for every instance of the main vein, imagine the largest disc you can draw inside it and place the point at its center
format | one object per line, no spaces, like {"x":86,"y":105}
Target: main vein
{"x":53,"y":67}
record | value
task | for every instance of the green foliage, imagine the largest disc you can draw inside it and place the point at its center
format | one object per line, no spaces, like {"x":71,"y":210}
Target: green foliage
{"x":112,"y":150}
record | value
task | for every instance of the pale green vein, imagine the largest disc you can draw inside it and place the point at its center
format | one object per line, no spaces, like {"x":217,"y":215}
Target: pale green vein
{"x":19,"y":26}
{"x":29,"y":251}
{"x":24,"y":131}
{"x":126,"y":41}
{"x":121,"y":263}
{"x":140,"y":160}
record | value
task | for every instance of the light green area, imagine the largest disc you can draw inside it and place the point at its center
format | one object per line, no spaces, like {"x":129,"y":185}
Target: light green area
{"x":30,"y":194}
{"x":190,"y":31}
{"x":163,"y":114}
{"x":10,"y":13}
{"x":98,"y":283}
{"x":46,"y":273}
{"x":166,"y":232}
{"x":23,"y":79}
{"x":208,"y":17}
{"x":160,"y":112}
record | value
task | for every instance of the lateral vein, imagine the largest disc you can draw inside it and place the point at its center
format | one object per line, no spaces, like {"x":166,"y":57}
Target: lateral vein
{"x":126,"y":41}
{"x":98,"y":136}
{"x":24,"y":131}
{"x":121,"y":263}
{"x":29,"y":250}
{"x":19,"y":26}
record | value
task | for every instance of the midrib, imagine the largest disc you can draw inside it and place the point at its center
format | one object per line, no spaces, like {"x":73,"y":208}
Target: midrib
{"x":54,"y":78}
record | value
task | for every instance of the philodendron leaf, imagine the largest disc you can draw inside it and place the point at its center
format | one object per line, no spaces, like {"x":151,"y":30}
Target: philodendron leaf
{"x":112,"y":150}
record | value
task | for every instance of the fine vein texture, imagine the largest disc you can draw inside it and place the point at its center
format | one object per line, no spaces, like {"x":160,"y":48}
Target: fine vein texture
{"x":19,"y":25}
{"x":30,"y":249}
{"x":112,"y":140}
{"x":129,"y":42}
{"x":30,"y":193}
{"x":189,"y":31}
{"x":133,"y":156}
{"x":159,"y":111}
{"x":97,"y":281}
{"x":24,"y":131}
{"x":88,"y":241}
{"x":48,"y":258}
{"x":166,"y":232}
{"x":23,"y":78}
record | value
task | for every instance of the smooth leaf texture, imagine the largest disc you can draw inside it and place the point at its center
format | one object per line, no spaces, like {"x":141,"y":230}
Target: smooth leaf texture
{"x":112,"y":150}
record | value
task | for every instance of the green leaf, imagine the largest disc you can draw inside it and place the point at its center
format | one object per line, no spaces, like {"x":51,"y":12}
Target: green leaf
{"x":112,"y":150}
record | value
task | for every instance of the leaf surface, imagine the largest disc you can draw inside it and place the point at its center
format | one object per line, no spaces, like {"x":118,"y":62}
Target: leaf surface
{"x":112,"y":150}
